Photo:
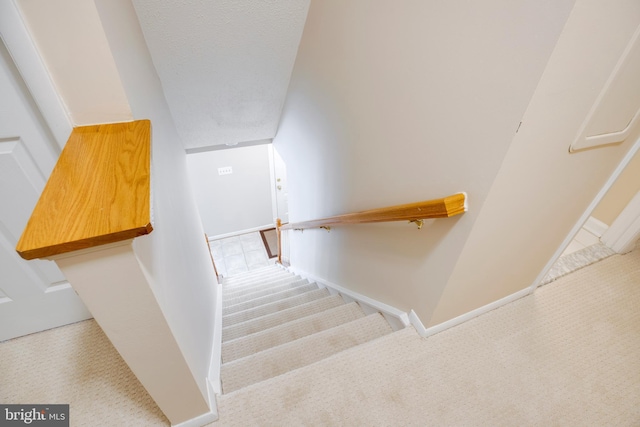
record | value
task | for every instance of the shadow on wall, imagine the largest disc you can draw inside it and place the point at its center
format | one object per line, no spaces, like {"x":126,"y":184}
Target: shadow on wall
{"x":358,"y":257}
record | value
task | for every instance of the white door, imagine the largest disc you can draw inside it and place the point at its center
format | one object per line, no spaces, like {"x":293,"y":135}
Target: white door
{"x":34,"y":295}
{"x":280,"y":174}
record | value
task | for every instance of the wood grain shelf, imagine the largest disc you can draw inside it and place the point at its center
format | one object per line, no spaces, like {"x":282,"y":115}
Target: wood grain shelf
{"x":98,"y":192}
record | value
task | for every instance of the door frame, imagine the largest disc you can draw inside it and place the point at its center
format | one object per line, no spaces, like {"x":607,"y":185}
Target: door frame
{"x":624,"y":232}
{"x":272,"y":178}
{"x":274,"y":183}
{"x":587,"y":213}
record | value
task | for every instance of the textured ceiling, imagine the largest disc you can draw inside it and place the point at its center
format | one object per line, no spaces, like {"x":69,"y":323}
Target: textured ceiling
{"x":224,"y":64}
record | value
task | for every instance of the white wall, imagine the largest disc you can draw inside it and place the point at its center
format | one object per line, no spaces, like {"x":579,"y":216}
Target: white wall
{"x":542,"y":190}
{"x":235,"y":202}
{"x":398,"y":102}
{"x":174,"y":256}
{"x":74,"y":67}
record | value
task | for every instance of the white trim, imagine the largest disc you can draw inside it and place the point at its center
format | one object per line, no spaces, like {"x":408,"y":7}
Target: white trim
{"x":595,"y":226}
{"x":236,"y":233}
{"x":200,"y":420}
{"x":213,"y":379}
{"x":397,"y":318}
{"x":216,"y":350}
{"x":473,"y":313}
{"x":417,"y":324}
{"x":587,"y":213}
{"x":583,"y":140}
{"x":34,"y":72}
{"x":90,"y":250}
{"x":625,"y":230}
{"x":207,"y":417}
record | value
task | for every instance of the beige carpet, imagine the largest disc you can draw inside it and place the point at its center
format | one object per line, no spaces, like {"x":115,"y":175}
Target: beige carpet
{"x":569,"y":355}
{"x":76,"y":364}
{"x":301,"y":352}
{"x":290,"y":331}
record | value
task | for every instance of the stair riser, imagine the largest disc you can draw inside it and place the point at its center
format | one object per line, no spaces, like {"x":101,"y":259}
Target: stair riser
{"x":262,"y":286}
{"x":267,"y":299}
{"x":274,"y":307}
{"x":282,"y":334}
{"x":264,"y":292}
{"x":260,"y":324}
{"x":231,"y":284}
{"x":251,"y":275}
{"x":294,"y":355}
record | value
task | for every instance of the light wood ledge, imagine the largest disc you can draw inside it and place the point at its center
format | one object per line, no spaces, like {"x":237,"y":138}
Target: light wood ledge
{"x":437,"y":208}
{"x":98,"y":192}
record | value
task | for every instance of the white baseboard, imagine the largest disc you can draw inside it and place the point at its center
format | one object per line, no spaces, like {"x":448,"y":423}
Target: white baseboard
{"x":213,"y":380}
{"x":235,"y":233}
{"x":417,"y":324}
{"x":595,"y":226}
{"x":199,"y":421}
{"x":216,"y":351}
{"x":625,"y":230}
{"x":397,"y":318}
{"x":425,"y":332}
{"x":207,"y":417}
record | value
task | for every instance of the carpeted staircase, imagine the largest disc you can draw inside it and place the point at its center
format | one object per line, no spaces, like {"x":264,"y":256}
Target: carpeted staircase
{"x":274,"y":322}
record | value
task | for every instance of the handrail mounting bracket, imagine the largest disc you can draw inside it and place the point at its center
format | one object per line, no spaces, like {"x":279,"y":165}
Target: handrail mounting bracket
{"x":419,"y":223}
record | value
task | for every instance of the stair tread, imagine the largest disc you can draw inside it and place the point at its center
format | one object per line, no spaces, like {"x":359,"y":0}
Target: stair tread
{"x":260,"y":286}
{"x":257,"y":285}
{"x":273,"y":307}
{"x":262,"y":292}
{"x":266,"y":299}
{"x":290,"y":331}
{"x":269,"y":321}
{"x":238,"y":281}
{"x":248,"y":275}
{"x":321,"y":377}
{"x":258,"y":271}
{"x":295,"y":354}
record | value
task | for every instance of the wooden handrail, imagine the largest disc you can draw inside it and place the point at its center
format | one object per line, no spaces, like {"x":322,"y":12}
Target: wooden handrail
{"x":215,"y":269}
{"x":98,"y":192}
{"x":437,"y":208}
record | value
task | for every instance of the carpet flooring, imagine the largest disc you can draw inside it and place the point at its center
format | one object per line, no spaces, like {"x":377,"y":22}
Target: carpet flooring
{"x":76,"y":365}
{"x":577,"y":260}
{"x":567,"y":355}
